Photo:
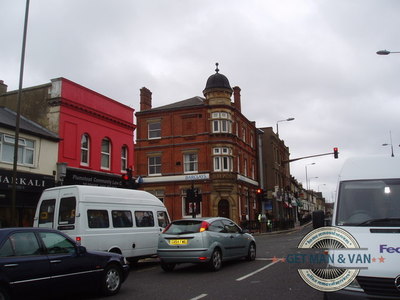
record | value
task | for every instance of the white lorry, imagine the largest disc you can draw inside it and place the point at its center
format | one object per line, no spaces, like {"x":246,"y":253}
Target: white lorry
{"x":105,"y":219}
{"x":368,"y":207}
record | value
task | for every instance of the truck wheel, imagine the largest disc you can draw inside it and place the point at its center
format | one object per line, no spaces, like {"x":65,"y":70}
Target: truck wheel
{"x":112,"y":280}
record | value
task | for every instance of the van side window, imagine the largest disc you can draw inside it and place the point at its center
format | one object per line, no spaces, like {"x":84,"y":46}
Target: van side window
{"x":122,"y":218}
{"x":98,"y":218}
{"x":144,"y":219}
{"x":66,"y":214}
{"x":46,"y":213}
{"x":162,"y":218}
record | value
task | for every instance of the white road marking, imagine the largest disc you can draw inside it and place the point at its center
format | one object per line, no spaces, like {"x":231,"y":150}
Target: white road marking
{"x":199,"y":297}
{"x":257,"y":271}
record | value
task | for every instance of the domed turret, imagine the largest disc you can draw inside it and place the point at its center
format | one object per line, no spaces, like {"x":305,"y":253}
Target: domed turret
{"x":217,"y":81}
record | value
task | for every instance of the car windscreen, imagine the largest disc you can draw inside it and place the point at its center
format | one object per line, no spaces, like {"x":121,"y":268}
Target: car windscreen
{"x":369,"y":203}
{"x":184,"y":226}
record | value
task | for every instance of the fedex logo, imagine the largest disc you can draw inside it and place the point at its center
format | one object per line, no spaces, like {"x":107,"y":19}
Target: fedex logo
{"x":385,"y":248}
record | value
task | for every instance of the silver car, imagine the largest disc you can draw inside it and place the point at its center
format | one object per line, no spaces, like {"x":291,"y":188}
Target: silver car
{"x":208,"y":241}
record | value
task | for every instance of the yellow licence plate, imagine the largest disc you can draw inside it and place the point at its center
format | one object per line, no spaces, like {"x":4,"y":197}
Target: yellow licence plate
{"x":178,"y":242}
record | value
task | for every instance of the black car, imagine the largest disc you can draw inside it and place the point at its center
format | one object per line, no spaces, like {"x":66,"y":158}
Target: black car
{"x":47,"y":263}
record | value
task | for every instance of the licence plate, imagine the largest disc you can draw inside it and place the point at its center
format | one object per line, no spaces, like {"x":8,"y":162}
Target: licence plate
{"x":178,"y":242}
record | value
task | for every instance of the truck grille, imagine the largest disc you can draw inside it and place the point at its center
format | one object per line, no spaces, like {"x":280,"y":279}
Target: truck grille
{"x":378,"y":286}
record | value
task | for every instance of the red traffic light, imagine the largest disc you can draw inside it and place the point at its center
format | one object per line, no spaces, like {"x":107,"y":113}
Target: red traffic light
{"x":335,"y":152}
{"x":259,"y":191}
{"x":125,"y":177}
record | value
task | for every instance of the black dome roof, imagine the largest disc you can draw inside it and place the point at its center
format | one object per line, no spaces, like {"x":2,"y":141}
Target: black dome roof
{"x":217,"y":80}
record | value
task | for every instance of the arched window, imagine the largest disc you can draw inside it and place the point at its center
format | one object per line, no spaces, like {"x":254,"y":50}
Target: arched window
{"x":105,"y":154}
{"x":124,"y":158}
{"x":85,"y":149}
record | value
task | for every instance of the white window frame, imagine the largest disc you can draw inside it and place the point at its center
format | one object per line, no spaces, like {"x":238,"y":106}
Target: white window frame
{"x":106,"y":154}
{"x":190,"y":163}
{"x":155,"y":132}
{"x":85,"y":150}
{"x":154,"y":165}
{"x":26,"y":150}
{"x":221,"y":122}
{"x":124,"y":158}
{"x":223,"y":160}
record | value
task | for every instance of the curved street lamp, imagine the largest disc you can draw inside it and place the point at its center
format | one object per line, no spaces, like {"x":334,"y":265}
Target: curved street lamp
{"x":286,"y":120}
{"x":386,"y":52}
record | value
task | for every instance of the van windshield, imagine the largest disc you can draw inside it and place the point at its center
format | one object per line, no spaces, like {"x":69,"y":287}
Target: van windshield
{"x":369,"y":203}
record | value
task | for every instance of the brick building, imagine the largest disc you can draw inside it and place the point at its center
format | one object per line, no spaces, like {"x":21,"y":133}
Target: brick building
{"x":204,"y":143}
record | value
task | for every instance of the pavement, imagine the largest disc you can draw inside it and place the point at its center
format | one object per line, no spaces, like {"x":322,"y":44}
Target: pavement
{"x":296,"y":228}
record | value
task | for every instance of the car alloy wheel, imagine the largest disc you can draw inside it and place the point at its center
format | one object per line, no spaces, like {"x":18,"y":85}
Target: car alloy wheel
{"x":215,"y":262}
{"x":251,"y":254}
{"x":112,"y":280}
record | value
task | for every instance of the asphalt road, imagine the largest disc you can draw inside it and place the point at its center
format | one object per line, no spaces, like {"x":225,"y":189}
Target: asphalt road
{"x":265,"y":278}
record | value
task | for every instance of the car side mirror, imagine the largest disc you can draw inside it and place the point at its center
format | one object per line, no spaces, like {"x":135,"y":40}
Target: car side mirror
{"x":81,"y":250}
{"x":245,"y":231}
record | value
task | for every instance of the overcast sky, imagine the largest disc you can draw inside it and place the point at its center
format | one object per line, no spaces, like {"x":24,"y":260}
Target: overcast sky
{"x":311,"y":60}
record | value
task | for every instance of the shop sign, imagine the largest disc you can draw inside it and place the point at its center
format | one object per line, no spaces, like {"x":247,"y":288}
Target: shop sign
{"x":26,"y":181}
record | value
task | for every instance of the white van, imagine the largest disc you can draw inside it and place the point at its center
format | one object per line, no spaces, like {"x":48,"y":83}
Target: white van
{"x":368,"y":207}
{"x":105,"y":219}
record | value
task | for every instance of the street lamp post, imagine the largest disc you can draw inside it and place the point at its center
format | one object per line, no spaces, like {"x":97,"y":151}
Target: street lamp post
{"x":391,"y":143}
{"x":17,"y":122}
{"x":286,"y":120}
{"x":307,"y":187}
{"x":309,"y":181}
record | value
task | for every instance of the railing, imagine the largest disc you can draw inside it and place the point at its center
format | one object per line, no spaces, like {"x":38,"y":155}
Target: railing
{"x":271,"y":225}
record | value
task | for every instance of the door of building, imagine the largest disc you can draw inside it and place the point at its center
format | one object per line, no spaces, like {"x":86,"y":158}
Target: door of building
{"x":223,"y":208}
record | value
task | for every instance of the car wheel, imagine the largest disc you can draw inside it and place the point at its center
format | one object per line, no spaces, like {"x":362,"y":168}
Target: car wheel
{"x":251,"y":254}
{"x":112,"y":280}
{"x":4,"y":294}
{"x":168,"y":267}
{"x":215,"y":262}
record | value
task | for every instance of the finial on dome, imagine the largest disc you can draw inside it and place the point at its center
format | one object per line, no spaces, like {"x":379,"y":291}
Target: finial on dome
{"x":217,"y":70}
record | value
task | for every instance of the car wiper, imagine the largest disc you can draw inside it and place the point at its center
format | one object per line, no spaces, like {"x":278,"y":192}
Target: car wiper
{"x":382,"y":220}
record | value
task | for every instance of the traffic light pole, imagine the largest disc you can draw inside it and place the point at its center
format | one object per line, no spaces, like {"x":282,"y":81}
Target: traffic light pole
{"x":310,"y":156}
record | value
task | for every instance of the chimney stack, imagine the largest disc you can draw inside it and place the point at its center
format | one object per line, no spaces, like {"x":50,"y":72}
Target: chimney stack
{"x":145,"y":99}
{"x":236,"y":98}
{"x":3,"y":87}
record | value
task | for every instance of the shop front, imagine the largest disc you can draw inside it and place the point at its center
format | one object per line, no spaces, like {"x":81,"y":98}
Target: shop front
{"x":29,"y":187}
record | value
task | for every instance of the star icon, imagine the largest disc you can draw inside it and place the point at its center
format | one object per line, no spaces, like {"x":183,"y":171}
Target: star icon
{"x":381,"y":259}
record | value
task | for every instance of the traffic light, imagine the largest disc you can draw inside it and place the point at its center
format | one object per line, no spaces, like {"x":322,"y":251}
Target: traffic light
{"x":335,"y":152}
{"x":128,"y":181}
{"x":260,"y":194}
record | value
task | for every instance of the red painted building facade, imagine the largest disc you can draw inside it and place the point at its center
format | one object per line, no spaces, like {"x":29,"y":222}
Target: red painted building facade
{"x":95,"y":133}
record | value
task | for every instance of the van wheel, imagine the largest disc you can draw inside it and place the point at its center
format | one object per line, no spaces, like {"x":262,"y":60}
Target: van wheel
{"x":4,"y":294}
{"x":215,"y":262}
{"x":168,"y":267}
{"x":251,"y":254}
{"x":112,"y":280}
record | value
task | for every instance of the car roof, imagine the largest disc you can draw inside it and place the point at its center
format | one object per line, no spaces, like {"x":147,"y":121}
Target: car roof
{"x":208,"y":219}
{"x":7,"y":231}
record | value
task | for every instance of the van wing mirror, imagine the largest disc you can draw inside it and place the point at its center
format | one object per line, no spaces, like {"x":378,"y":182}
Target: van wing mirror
{"x":318,"y":219}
